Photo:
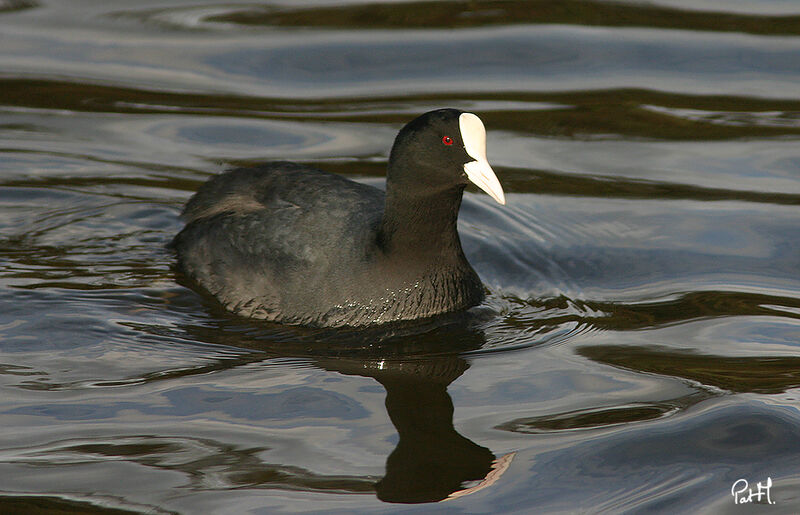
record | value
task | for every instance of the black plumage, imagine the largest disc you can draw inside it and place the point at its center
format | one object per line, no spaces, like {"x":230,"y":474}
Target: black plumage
{"x":291,"y":244}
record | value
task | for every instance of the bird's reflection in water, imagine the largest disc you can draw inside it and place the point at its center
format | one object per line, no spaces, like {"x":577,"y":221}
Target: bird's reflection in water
{"x":431,"y":460}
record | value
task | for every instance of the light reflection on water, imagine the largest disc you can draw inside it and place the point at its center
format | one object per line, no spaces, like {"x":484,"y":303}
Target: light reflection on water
{"x":638,"y":348}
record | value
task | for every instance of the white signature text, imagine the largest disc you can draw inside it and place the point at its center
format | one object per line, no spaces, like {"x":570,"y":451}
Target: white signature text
{"x":742,"y":493}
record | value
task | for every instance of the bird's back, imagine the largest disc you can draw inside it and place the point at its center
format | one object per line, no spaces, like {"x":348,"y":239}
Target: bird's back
{"x":280,"y":241}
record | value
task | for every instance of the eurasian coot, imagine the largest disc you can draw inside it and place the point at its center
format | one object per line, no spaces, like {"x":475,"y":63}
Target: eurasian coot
{"x":291,"y":244}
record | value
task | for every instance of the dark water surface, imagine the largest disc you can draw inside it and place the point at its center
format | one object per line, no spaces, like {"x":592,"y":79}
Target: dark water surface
{"x":640,"y":346}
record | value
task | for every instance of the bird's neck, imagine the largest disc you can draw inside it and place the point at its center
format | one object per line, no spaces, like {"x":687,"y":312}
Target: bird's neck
{"x":422,"y":223}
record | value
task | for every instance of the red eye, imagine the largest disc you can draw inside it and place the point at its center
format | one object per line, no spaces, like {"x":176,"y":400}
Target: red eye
{"x":447,"y":140}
